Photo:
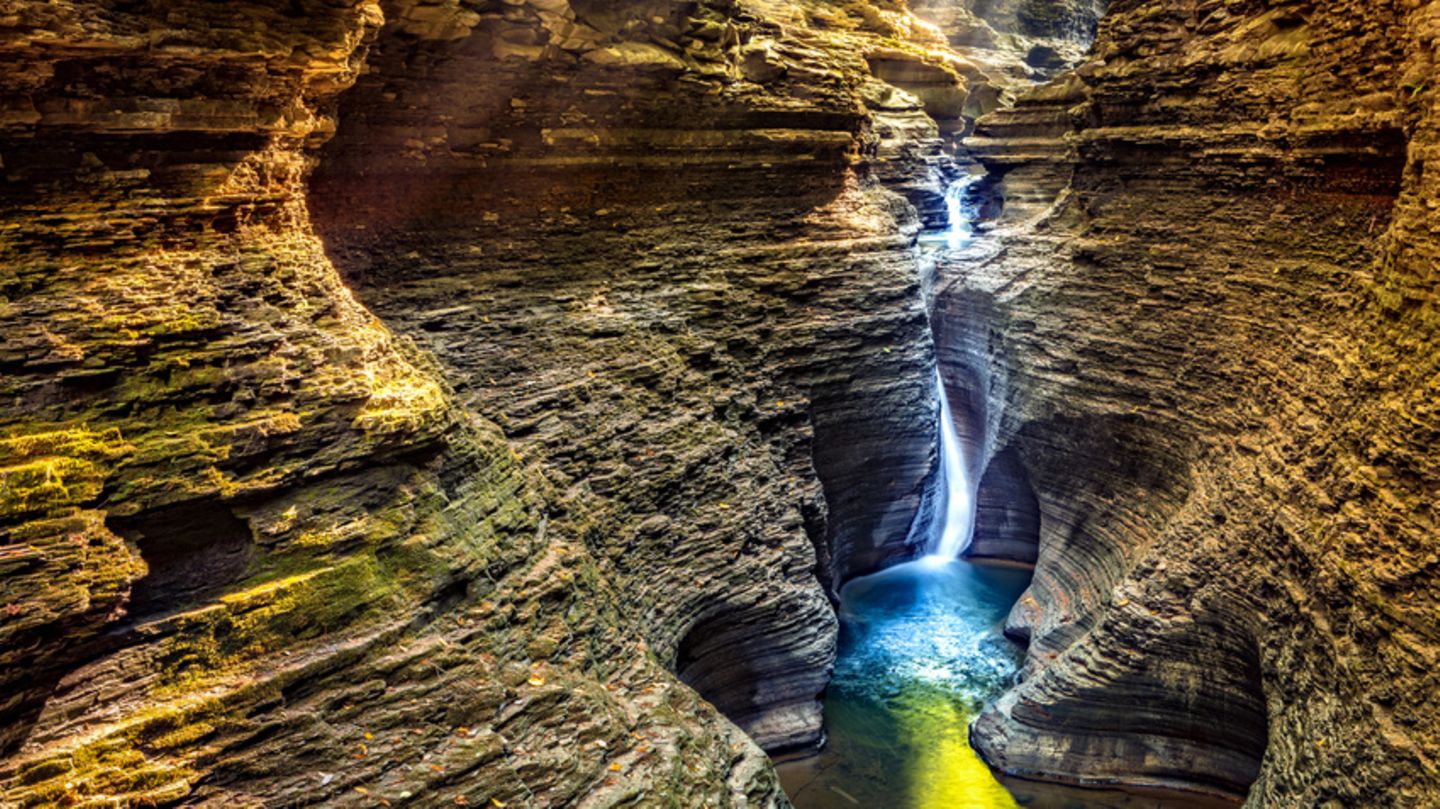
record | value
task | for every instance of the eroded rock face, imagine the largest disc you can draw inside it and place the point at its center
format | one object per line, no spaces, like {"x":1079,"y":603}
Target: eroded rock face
{"x":639,"y":367}
{"x":1033,"y":37}
{"x":1212,"y":292}
{"x":595,"y":353}
{"x":256,"y":551}
{"x":679,"y":289}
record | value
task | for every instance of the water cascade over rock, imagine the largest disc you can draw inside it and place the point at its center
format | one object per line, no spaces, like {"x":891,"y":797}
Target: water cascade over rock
{"x":481,"y":403}
{"x":955,"y":503}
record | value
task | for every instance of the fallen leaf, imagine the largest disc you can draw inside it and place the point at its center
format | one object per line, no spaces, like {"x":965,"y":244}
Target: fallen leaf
{"x":537,"y":681}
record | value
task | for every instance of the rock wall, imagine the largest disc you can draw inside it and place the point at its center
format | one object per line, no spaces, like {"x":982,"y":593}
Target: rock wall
{"x":255,"y":550}
{"x":1209,"y":281}
{"x":655,"y":253}
{"x":1032,"y":38}
{"x":594,"y":353}
{"x":420,"y":476}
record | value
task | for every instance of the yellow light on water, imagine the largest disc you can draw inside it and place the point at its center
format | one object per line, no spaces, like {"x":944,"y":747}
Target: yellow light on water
{"x":945,"y":771}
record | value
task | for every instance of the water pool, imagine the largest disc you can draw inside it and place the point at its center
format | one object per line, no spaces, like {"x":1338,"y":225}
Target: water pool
{"x":920,"y":652}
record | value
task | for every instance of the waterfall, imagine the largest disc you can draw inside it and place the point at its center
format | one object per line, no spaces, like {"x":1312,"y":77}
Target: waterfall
{"x":954,"y":511}
{"x":959,"y":230}
{"x":958,"y":217}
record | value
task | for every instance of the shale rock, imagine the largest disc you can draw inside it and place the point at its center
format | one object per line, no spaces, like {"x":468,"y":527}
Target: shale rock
{"x":1211,"y":309}
{"x":590,"y":358}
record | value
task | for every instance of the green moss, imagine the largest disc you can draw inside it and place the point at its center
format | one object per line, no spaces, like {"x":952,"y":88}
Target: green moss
{"x":109,"y":772}
{"x":44,"y":471}
{"x":41,"y":486}
{"x":41,"y":771}
{"x":247,"y":624}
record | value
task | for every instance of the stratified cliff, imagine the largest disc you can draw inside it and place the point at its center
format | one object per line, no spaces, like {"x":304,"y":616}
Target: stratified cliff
{"x":255,"y":552}
{"x":470,"y":402}
{"x":635,"y":367}
{"x":1209,"y":320}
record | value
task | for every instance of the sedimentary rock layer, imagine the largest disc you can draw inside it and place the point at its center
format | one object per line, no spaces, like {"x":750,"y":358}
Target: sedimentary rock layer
{"x":652,"y":252}
{"x":255,"y":551}
{"x":638,"y":368}
{"x":1212,"y":288}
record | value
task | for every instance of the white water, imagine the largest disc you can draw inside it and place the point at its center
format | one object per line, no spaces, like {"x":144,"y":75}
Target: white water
{"x":955,"y":513}
{"x":955,"y":509}
{"x":959,"y":232}
{"x":959,"y":228}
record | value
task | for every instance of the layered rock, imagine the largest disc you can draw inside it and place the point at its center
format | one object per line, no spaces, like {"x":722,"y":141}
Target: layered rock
{"x":1029,"y":38}
{"x":661,"y":380}
{"x":1007,"y":513}
{"x":651,"y":252}
{"x":1213,"y":326}
{"x":639,"y":368}
{"x":255,"y":550}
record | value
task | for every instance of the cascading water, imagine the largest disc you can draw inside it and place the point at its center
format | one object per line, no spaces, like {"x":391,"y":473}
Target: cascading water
{"x":921,"y":650}
{"x":955,"y":513}
{"x":959,"y":224}
{"x":958,"y":230}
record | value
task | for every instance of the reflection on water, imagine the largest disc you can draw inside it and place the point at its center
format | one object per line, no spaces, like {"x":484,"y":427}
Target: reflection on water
{"x":920,"y":653}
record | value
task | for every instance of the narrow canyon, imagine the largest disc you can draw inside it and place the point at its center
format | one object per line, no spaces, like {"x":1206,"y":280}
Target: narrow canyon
{"x":720,"y":403}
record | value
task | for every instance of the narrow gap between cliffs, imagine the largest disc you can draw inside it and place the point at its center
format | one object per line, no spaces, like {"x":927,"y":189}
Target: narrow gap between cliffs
{"x":921,"y":644}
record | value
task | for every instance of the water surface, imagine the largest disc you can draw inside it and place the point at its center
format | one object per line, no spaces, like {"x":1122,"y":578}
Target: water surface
{"x":920,"y":653}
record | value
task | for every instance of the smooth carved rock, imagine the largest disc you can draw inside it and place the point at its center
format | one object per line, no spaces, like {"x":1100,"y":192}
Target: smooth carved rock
{"x":459,"y":402}
{"x":1007,"y":512}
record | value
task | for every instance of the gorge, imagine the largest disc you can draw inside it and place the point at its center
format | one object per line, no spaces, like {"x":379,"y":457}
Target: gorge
{"x":535,"y":402}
